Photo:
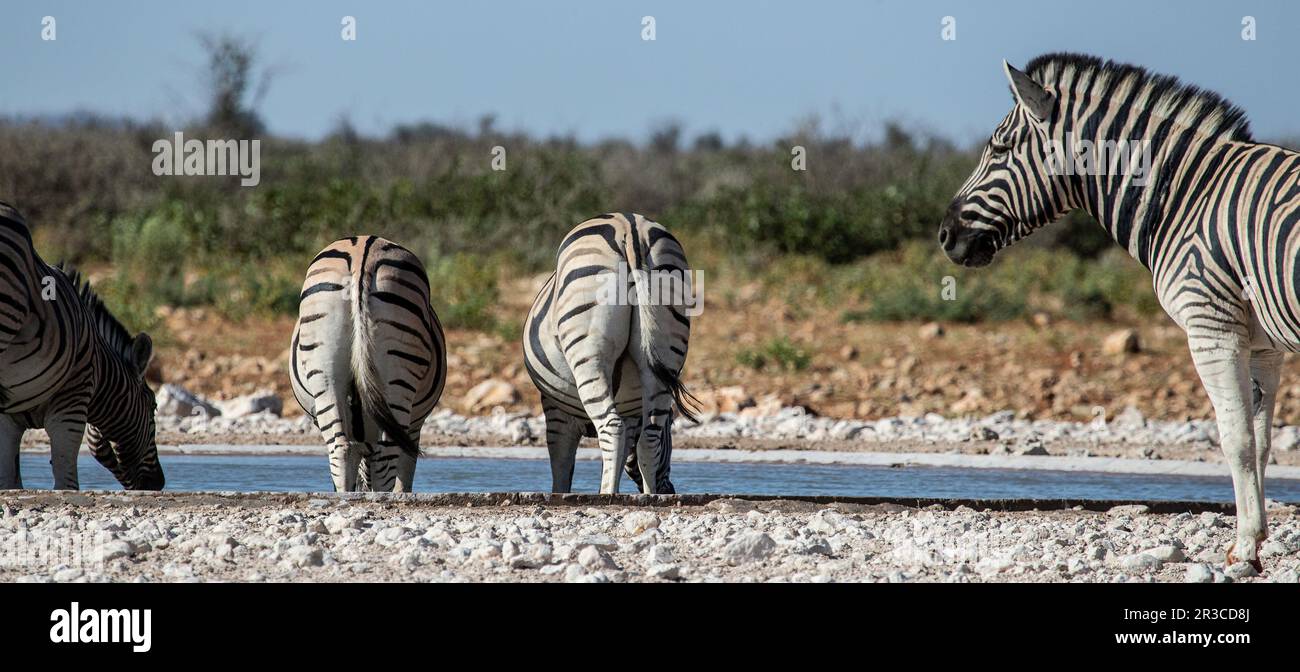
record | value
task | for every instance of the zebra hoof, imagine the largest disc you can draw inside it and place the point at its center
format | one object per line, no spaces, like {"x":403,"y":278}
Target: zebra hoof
{"x":1231,"y":558}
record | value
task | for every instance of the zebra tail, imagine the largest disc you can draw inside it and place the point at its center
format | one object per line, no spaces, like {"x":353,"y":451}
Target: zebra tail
{"x":370,"y":387}
{"x":685,"y":403}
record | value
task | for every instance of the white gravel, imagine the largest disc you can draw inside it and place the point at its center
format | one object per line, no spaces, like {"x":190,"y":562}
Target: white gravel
{"x":788,"y":423}
{"x":207,"y":537}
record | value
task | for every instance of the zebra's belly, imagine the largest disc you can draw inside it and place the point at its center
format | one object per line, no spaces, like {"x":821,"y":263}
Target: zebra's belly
{"x":31,"y":374}
{"x":564,"y":391}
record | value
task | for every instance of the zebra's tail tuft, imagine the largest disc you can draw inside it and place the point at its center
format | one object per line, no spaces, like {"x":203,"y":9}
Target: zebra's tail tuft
{"x":370,"y":386}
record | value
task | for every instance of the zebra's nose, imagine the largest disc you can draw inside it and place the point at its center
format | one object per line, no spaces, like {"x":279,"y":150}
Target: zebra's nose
{"x":943,"y":235}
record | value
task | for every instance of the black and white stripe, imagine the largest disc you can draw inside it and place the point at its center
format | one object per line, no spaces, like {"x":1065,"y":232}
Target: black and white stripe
{"x":368,"y":360}
{"x":65,"y":361}
{"x":1216,"y":223}
{"x":605,"y":369}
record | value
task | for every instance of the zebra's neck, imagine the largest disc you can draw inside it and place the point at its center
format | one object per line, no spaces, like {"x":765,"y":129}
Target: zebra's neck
{"x":114,"y":385}
{"x":1138,"y":179}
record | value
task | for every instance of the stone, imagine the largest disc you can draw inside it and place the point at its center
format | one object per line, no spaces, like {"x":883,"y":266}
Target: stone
{"x":930,"y":331}
{"x":749,"y":547}
{"x":1199,"y":573}
{"x":1031,"y":446}
{"x":1139,"y":562}
{"x":640,"y":521}
{"x":175,"y":400}
{"x":304,"y":556}
{"x":1240,"y":570}
{"x":603,"y":542}
{"x":1122,"y":342}
{"x":490,"y":393}
{"x":262,"y":401}
{"x":982,"y":433}
{"x":1128,"y":510}
{"x":659,"y":554}
{"x":116,"y":549}
{"x":593,"y":559}
{"x":665,"y":571}
{"x":1167,"y":553}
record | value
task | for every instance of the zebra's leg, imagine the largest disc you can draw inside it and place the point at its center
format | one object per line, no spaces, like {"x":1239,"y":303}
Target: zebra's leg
{"x":632,"y":467}
{"x":66,"y":434}
{"x":1222,"y":363}
{"x":1265,"y":373}
{"x":333,"y":422}
{"x":406,"y":463}
{"x":11,"y":437}
{"x":563,"y":432}
{"x":363,"y":468}
{"x":656,"y":412}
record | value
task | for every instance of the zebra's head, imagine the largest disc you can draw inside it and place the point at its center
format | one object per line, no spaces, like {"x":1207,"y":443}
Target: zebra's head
{"x":126,"y":445}
{"x":1012,"y":191}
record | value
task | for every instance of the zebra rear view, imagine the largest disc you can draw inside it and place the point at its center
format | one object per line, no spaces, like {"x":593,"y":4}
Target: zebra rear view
{"x":605,"y":343}
{"x":368,"y":360}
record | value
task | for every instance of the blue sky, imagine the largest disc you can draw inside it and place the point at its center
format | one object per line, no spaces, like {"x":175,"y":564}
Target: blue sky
{"x":580,"y":66}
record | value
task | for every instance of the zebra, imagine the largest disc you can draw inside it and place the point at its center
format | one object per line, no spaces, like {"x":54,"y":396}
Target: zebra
{"x":67,"y":364}
{"x":368,"y":360}
{"x":1214,"y":218}
{"x":604,"y":368}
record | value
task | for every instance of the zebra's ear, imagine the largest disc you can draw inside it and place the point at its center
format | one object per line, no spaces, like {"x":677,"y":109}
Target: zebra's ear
{"x":1029,"y":93}
{"x":141,"y":351}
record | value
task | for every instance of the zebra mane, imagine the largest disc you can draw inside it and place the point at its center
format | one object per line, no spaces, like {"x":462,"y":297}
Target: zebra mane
{"x":111,"y":332}
{"x":1165,"y":93}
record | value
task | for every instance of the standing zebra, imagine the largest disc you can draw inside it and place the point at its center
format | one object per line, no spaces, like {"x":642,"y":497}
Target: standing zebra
{"x":1213,"y":216}
{"x":65,"y":361}
{"x":368,"y":360}
{"x":605,"y":368}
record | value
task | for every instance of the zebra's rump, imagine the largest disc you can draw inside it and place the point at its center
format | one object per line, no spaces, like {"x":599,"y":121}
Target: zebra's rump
{"x":594,"y":288}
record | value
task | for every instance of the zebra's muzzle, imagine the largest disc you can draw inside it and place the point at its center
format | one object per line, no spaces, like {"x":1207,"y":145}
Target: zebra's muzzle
{"x":965,"y":245}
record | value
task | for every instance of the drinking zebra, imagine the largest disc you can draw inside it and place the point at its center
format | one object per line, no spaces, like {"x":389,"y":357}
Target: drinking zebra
{"x":606,"y":368}
{"x":368,"y":360}
{"x":1210,"y":212}
{"x":65,"y":361}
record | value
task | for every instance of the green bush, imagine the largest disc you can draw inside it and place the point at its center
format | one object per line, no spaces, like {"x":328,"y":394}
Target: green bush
{"x":780,"y":353}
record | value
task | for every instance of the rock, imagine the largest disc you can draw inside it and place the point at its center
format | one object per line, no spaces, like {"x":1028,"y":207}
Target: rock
{"x":603,"y":542}
{"x":1166,"y":553}
{"x":1286,"y":438}
{"x":931,"y":331}
{"x":1199,"y":573}
{"x":1128,"y":510}
{"x":731,"y":399}
{"x":1240,"y":570}
{"x":848,"y":353}
{"x":668,"y":572}
{"x":982,"y":433}
{"x":174,"y":400}
{"x":593,"y":559}
{"x":1211,"y":519}
{"x":749,"y":547}
{"x":1285,"y":576}
{"x":640,"y":521}
{"x":1139,"y":562}
{"x":659,"y":554}
{"x":1031,"y":446}
{"x":262,"y":401}
{"x":304,"y":556}
{"x":490,"y":393}
{"x":115,"y":549}
{"x":336,"y":523}
{"x":1121,"y":342}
